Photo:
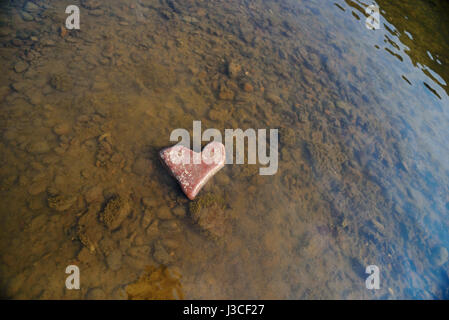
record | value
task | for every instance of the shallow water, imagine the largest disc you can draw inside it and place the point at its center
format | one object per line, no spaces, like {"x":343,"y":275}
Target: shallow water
{"x":363,"y":174}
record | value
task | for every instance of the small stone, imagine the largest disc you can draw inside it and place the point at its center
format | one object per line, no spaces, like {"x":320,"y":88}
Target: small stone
{"x":35,"y":203}
{"x":207,"y":211}
{"x":139,"y":252}
{"x":225,"y":93}
{"x":94,"y":194}
{"x":20,"y":66}
{"x":96,"y":12}
{"x":179,"y":212}
{"x":247,"y":87}
{"x":142,"y":166}
{"x":149,"y":202}
{"x":164,"y":213}
{"x":91,"y":4}
{"x":439,"y":256}
{"x":153,"y":230}
{"x":61,"y":203}
{"x":61,"y":129}
{"x":62,"y":31}
{"x":234,"y":69}
{"x":31,"y":7}
{"x":38,"y":147}
{"x":135,"y":57}
{"x":162,"y":255}
{"x":95,"y":294}
{"x":26,"y":16}
{"x":115,"y":212}
{"x":114,"y":260}
{"x":273,"y":99}
{"x":147,"y":218}
{"x":37,"y":188}
{"x":190,"y":19}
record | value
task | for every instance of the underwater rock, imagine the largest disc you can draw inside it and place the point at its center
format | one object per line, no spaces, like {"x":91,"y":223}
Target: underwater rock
{"x":26,"y":16}
{"x":179,"y":211}
{"x":20,"y":66}
{"x":247,"y":87}
{"x":207,"y":211}
{"x":31,"y":7}
{"x":95,"y":294}
{"x":142,"y":166}
{"x":94,"y":194}
{"x":37,"y":188}
{"x":61,"y":129}
{"x":234,"y":69}
{"x":114,"y":260}
{"x":115,"y":211}
{"x":160,"y":283}
{"x":192,"y":177}
{"x":60,"y":202}
{"x":61,"y":82}
{"x":162,"y":255}
{"x":91,"y":4}
{"x":225,"y":93}
{"x":164,"y":213}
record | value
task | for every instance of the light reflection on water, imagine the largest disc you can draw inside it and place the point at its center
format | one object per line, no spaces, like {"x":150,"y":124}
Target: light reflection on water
{"x":363,"y":177}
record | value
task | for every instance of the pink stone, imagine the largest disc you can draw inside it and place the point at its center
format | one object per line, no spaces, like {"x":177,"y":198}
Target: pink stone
{"x":193,"y":169}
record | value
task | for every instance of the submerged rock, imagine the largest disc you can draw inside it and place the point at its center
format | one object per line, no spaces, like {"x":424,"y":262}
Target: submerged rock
{"x":31,"y":7}
{"x":114,"y":260}
{"x":60,"y":202}
{"x":156,"y":283}
{"x":207,"y":211}
{"x":115,"y":211}
{"x":162,"y":255}
{"x":234,"y":69}
{"x":20,"y":66}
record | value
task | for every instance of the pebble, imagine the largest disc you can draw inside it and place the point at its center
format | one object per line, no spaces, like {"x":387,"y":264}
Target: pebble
{"x":20,"y":66}
{"x":31,"y":7}
{"x":37,"y":188}
{"x":225,"y":94}
{"x":161,"y":254}
{"x":147,"y":218}
{"x":61,"y":129}
{"x":94,"y":194}
{"x":164,"y":213}
{"x":234,"y":69}
{"x":247,"y":87}
{"x":26,"y":16}
{"x":149,"y":202}
{"x":95,"y":294}
{"x":38,"y":147}
{"x":114,"y":260}
{"x":141,"y":166}
{"x":179,"y":212}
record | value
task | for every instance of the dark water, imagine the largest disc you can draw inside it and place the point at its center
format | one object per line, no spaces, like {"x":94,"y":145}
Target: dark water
{"x":363,"y":124}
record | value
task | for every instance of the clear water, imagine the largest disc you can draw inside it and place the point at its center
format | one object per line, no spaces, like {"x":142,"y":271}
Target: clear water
{"x":363,"y":174}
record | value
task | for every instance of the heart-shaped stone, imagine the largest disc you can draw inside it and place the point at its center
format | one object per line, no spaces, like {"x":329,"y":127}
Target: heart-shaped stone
{"x":193,"y":169}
